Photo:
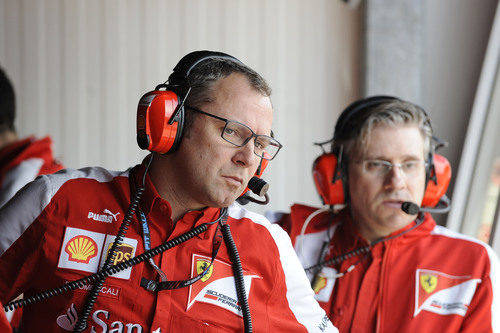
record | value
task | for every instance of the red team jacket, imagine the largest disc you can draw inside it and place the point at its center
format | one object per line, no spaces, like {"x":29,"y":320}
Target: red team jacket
{"x":59,"y":228}
{"x":21,"y":162}
{"x":429,"y":279}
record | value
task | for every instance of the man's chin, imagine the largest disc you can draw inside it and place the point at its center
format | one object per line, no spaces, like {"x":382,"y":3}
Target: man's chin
{"x":398,"y":222}
{"x":224,"y":201}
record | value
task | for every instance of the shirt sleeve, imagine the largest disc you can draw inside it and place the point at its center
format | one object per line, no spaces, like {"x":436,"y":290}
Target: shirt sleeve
{"x":299,"y":293}
{"x":484,"y":310}
{"x":21,"y":236}
{"x":19,"y":176}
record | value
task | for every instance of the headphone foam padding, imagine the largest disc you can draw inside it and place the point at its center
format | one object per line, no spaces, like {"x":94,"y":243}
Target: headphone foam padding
{"x":153,"y":114}
{"x":331,"y":193}
{"x":436,"y":189}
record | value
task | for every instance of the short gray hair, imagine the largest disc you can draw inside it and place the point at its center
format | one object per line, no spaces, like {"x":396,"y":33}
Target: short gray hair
{"x":203,"y":77}
{"x":394,"y":113}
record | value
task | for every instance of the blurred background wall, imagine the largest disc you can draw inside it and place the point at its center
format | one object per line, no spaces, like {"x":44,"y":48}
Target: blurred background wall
{"x":80,"y":67}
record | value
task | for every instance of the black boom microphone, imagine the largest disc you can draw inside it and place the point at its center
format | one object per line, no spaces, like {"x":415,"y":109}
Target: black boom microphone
{"x":411,"y":208}
{"x":258,"y":186}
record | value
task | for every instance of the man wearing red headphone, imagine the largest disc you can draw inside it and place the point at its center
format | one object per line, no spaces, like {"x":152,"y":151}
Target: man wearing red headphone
{"x":162,"y":247}
{"x":377,"y":261}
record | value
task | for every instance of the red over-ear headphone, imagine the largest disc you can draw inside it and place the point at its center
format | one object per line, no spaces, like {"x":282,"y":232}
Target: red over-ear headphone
{"x":332,"y":192}
{"x":330,"y":178}
{"x":160,"y":113}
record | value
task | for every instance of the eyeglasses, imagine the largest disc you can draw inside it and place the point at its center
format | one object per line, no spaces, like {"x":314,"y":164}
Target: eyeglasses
{"x":380,"y":168}
{"x":239,"y":134}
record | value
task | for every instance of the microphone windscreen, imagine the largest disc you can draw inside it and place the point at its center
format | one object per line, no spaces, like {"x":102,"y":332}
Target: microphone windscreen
{"x":258,"y":186}
{"x":410,"y":208}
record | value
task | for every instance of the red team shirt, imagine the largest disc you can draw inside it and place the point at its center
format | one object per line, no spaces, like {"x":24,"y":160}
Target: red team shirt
{"x":58,"y":229}
{"x":429,"y":279}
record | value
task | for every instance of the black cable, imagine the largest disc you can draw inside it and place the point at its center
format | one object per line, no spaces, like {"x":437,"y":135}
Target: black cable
{"x":246,"y":198}
{"x":360,"y":250}
{"x":238,"y":276}
{"x":134,"y":203}
{"x":103,"y":273}
{"x":338,"y":259}
{"x":82,"y":318}
{"x":322,"y":255}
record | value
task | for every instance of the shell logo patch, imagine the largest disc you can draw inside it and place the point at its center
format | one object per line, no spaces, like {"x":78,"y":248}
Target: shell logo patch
{"x":69,"y":255}
{"x":201,"y":265}
{"x":81,"y":249}
{"x":320,"y":283}
{"x":217,"y":286}
{"x":323,"y":287}
{"x":442,"y":293}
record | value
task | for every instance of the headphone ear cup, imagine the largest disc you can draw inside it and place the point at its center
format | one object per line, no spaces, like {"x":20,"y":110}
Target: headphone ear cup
{"x":154,"y":132}
{"x":436,"y":189}
{"x":324,"y":167}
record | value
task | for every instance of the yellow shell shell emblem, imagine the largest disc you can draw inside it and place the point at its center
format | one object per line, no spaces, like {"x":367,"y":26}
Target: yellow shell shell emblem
{"x":81,"y":249}
{"x":201,"y":265}
{"x":428,"y":282}
{"x":319,"y":284}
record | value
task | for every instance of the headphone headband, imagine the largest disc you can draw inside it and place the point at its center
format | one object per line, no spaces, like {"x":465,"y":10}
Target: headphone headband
{"x":353,"y":117}
{"x":184,"y":67}
{"x":355,"y":108}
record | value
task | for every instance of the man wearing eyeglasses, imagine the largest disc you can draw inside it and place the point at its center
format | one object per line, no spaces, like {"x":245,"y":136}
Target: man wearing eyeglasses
{"x":376,"y":260}
{"x":224,"y":268}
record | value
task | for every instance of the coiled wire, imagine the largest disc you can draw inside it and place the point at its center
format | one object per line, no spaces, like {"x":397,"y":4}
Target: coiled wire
{"x":338,"y":259}
{"x":134,"y":203}
{"x":238,"y":276}
{"x":360,"y":250}
{"x":82,"y":318}
{"x":104,"y":273}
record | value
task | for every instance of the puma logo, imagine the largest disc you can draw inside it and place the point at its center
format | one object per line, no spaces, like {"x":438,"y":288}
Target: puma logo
{"x":107,"y":217}
{"x":107,"y":211}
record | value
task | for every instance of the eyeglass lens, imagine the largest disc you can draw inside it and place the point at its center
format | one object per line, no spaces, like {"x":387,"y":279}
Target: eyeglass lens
{"x":239,"y":134}
{"x":381,"y":168}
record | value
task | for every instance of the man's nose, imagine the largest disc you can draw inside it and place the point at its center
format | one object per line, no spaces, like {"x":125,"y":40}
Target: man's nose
{"x":396,"y":178}
{"x":245,"y":155}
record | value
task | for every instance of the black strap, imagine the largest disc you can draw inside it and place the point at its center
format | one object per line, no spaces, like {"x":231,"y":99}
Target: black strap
{"x":155,"y":286}
{"x":168,"y":285}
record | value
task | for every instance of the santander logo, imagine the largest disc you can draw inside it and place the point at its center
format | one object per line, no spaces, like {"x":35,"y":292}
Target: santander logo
{"x":100,"y":319}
